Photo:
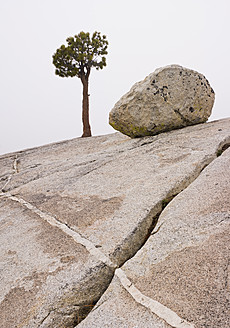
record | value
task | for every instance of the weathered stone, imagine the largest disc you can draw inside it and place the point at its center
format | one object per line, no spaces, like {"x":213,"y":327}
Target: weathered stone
{"x":44,"y":272}
{"x":184,"y":265}
{"x":117,"y":308}
{"x":72,"y":212}
{"x":169,"y":98}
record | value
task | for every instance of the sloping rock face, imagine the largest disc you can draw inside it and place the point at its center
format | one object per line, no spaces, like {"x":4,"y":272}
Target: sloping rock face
{"x":180,"y":277}
{"x":169,"y":98}
{"x":74,"y":214}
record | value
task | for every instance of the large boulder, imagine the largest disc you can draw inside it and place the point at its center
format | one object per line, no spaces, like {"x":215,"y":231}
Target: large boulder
{"x":169,"y":98}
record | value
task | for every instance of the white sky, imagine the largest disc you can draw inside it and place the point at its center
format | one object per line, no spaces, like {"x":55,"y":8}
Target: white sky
{"x":38,"y":107}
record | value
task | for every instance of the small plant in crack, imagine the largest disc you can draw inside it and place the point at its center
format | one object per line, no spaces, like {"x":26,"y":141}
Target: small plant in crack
{"x":166,"y":201}
{"x":219,"y":152}
{"x":222,"y":149}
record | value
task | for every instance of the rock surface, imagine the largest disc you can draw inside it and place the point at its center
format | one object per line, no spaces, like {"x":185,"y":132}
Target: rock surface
{"x":169,"y":98}
{"x":185,"y":265}
{"x":71,"y":213}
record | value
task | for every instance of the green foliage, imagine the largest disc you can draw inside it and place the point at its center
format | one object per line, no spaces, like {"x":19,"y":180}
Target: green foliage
{"x":81,"y":53}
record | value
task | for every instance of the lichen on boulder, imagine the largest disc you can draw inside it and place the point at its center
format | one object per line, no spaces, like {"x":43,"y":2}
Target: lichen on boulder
{"x":169,"y":98}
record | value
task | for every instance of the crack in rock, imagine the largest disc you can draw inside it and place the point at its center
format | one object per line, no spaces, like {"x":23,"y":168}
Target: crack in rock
{"x":15,"y":170}
{"x":65,"y":228}
{"x":184,"y":119}
{"x":155,"y":307}
{"x":15,"y":165}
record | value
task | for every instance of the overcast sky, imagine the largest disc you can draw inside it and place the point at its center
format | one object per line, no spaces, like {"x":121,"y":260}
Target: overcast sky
{"x":38,"y":107}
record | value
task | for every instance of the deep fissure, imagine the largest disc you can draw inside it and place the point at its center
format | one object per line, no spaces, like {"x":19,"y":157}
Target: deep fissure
{"x":164,"y":203}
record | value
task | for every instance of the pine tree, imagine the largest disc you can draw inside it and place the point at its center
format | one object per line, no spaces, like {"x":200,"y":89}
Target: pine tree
{"x":76,"y":59}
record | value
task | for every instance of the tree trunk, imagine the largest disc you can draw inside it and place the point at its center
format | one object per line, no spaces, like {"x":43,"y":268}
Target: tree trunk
{"x":85,"y":107}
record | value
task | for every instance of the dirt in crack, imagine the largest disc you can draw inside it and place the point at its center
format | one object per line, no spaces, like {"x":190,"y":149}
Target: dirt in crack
{"x":84,"y":311}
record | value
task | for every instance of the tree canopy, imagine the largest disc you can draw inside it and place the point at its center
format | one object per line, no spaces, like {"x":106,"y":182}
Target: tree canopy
{"x":81,"y":53}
